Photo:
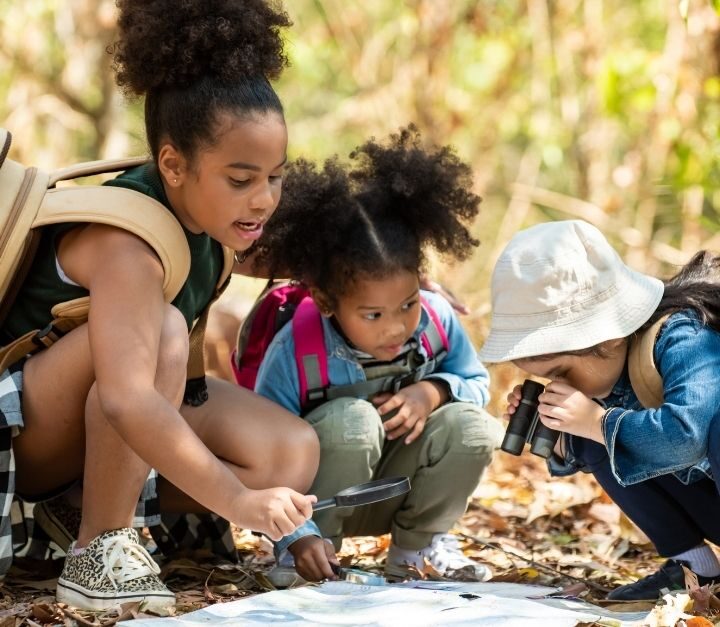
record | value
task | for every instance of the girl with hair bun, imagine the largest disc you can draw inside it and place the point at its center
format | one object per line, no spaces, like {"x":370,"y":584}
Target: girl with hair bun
{"x":105,"y":402}
{"x":356,"y":235}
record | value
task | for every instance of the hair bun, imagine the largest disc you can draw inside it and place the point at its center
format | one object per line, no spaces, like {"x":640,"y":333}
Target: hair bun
{"x":173,"y":43}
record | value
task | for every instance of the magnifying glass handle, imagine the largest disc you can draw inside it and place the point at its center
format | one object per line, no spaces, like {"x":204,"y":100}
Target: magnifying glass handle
{"x":324,"y":504}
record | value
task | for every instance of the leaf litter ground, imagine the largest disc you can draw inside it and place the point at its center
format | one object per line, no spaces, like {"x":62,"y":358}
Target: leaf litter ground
{"x":527,"y":527}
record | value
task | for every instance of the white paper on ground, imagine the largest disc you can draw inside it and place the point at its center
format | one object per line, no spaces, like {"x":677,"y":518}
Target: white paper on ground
{"x":419,"y":604}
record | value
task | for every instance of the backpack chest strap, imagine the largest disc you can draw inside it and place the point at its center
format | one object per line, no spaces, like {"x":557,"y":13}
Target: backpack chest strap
{"x":312,"y":364}
{"x":392,"y":384}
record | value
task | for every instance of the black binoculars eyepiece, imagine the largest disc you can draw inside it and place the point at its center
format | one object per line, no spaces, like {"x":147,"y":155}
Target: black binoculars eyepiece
{"x":525,"y":425}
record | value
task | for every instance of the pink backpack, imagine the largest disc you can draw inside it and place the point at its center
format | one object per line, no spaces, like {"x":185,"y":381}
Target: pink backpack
{"x":282,"y":302}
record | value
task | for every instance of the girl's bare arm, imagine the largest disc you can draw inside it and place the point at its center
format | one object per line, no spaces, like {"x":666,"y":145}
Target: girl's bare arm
{"x":124,"y":278}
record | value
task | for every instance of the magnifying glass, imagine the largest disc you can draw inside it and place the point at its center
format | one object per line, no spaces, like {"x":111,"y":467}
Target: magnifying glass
{"x":366,"y":493}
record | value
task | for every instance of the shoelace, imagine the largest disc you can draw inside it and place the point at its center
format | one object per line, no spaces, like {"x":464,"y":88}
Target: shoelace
{"x":124,"y":560}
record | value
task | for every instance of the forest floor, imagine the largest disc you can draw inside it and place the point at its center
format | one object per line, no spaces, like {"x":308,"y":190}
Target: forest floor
{"x":527,"y":527}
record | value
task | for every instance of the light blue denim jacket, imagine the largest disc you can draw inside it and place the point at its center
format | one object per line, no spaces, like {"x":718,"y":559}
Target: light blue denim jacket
{"x":467,"y":379}
{"x":646,"y":443}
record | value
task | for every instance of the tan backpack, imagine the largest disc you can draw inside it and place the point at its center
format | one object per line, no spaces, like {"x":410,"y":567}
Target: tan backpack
{"x":29,"y":199}
{"x":645,"y":380}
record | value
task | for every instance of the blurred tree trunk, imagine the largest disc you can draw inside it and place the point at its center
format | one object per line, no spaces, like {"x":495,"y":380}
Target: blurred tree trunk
{"x":62,"y":94}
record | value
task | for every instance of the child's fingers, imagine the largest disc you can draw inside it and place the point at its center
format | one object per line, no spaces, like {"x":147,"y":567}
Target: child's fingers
{"x":416,"y":431}
{"x":321,"y":563}
{"x":407,"y":423}
{"x":551,"y":399}
{"x":559,"y":388}
{"x":281,"y":526}
{"x":398,"y":433}
{"x":394,"y":402}
{"x":397,"y":420}
{"x":552,"y":423}
{"x":381,"y":398}
{"x":314,"y":563}
{"x":303,"y":504}
{"x":330,"y":553}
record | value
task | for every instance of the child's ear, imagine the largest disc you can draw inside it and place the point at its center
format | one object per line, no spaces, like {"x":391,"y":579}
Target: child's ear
{"x":322,"y":301}
{"x":172,"y":165}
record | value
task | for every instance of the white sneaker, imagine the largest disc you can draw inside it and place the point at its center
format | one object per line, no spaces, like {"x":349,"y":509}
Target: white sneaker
{"x":114,"y":568}
{"x":443,"y":554}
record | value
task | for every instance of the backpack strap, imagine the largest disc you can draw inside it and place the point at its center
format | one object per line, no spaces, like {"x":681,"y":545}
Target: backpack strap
{"x":310,"y":352}
{"x":434,"y":338}
{"x":645,"y":380}
{"x":131,"y":211}
{"x":195,"y":387}
{"x":312,"y":365}
{"x":114,"y":206}
{"x":90,"y":168}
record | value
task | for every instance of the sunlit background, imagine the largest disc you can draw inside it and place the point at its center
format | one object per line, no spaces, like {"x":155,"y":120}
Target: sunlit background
{"x":605,"y":110}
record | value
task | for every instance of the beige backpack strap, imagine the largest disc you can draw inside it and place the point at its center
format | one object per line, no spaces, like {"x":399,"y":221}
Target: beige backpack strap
{"x":196,"y":360}
{"x":34,"y":340}
{"x":645,"y":380}
{"x":114,"y":206}
{"x":129,"y":210}
{"x":90,"y":168}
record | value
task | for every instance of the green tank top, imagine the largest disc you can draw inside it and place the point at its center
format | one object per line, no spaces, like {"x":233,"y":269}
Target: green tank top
{"x":44,"y":288}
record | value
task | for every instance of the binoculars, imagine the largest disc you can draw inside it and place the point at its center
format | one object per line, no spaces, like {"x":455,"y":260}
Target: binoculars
{"x":525,"y":425}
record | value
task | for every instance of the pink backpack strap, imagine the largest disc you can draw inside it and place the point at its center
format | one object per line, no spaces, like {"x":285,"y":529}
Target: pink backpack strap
{"x":310,"y":352}
{"x":433,"y":338}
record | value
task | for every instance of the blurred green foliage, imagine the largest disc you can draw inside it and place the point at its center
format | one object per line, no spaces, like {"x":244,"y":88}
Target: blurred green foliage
{"x":599,"y":109}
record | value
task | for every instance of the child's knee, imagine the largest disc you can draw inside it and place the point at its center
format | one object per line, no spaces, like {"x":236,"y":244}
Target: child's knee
{"x":349,"y":423}
{"x":305,"y":440}
{"x":470,"y":428}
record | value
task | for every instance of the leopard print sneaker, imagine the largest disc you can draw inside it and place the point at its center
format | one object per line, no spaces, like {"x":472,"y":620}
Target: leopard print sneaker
{"x":114,"y":568}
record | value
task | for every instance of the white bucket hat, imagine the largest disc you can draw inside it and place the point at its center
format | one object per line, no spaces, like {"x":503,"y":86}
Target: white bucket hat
{"x":559,"y":287}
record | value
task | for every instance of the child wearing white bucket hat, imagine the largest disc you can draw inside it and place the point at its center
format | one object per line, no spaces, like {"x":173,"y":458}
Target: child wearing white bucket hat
{"x":566,"y":308}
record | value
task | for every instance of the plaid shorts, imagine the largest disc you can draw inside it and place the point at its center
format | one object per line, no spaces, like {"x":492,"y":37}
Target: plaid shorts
{"x":18,"y":533}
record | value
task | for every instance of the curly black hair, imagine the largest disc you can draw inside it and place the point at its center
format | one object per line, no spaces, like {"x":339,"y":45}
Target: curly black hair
{"x":372,"y":217}
{"x":196,"y":59}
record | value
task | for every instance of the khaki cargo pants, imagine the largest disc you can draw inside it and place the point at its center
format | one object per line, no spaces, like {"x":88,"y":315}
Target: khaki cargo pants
{"x":444,"y":466}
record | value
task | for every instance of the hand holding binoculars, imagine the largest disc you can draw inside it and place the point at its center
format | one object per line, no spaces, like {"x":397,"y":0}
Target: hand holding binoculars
{"x":525,"y":425}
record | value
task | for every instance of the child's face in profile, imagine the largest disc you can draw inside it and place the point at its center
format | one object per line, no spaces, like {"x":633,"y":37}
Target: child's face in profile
{"x":593,"y":375}
{"x":234,"y":186}
{"x":379,"y":315}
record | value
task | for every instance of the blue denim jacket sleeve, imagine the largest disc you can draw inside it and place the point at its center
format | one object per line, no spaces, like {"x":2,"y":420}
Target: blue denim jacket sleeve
{"x":308,"y":528}
{"x":645,"y":443}
{"x":278,"y":377}
{"x":467,"y":379}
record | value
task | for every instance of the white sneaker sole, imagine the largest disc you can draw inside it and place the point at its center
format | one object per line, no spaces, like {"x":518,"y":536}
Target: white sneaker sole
{"x":77,"y":596}
{"x":395,"y":571}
